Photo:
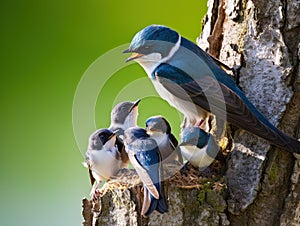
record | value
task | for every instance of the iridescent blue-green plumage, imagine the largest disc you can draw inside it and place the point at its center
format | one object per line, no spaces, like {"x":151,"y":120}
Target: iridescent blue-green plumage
{"x":145,"y":157}
{"x":144,"y":42}
{"x":194,"y":83}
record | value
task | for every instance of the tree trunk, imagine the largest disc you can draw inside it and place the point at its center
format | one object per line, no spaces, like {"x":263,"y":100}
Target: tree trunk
{"x":261,"y":41}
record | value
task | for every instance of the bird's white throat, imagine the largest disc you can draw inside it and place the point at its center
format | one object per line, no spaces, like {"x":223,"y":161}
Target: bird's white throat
{"x":150,"y":61}
{"x":161,"y":138}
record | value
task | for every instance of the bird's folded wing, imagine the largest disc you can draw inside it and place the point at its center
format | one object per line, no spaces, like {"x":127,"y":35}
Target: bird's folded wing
{"x":146,"y":203}
{"x":221,"y":64}
{"x":203,"y":90}
{"x":143,"y":174}
{"x":92,"y":179}
{"x":215,"y":97}
{"x":87,"y":165}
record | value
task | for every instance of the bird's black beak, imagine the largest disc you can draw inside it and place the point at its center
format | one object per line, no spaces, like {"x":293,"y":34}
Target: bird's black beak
{"x":127,"y":51}
{"x":133,"y":56}
{"x":136,"y":103}
{"x":114,"y":134}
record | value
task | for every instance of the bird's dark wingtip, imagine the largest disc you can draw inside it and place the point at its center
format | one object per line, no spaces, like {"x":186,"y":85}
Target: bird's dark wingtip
{"x":159,"y":205}
{"x":162,"y":206}
{"x":150,"y":203}
{"x":292,"y":144}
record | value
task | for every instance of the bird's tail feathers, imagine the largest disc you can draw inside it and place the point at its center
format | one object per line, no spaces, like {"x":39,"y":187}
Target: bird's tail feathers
{"x":290,"y":143}
{"x":272,"y":134}
{"x":150,"y":203}
{"x":253,"y":121}
{"x":162,"y":205}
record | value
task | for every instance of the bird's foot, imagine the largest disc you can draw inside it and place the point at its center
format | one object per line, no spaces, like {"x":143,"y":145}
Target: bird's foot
{"x":199,"y":123}
{"x":96,"y":195}
{"x":95,"y":192}
{"x":203,"y":124}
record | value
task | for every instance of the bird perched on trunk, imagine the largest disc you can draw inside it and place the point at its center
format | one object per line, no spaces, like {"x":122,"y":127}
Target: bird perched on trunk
{"x":145,"y":157}
{"x":198,"y":147}
{"x":106,"y":153}
{"x":192,"y":82}
{"x":159,"y":129}
{"x":123,"y":116}
{"x":103,"y":158}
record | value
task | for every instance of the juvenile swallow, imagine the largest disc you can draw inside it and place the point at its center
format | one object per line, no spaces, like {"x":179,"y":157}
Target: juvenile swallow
{"x":145,"y":157}
{"x":123,"y":116}
{"x":194,"y":83}
{"x":102,"y":157}
{"x":198,"y":147}
{"x":159,"y":129}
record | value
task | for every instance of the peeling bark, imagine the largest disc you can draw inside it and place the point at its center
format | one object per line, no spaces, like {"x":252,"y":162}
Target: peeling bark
{"x":215,"y":39}
{"x":261,"y":41}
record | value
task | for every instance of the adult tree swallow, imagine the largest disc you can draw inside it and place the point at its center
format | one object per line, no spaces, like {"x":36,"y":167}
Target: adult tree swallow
{"x":102,"y":158}
{"x":198,"y":147}
{"x":192,"y":82}
{"x":159,"y":129}
{"x":145,"y":157}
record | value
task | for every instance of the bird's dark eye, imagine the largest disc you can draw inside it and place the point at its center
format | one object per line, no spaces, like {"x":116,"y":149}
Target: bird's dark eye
{"x":101,"y":136}
{"x":147,"y":49}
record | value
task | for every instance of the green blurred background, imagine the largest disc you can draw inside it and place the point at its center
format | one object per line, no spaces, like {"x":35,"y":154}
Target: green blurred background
{"x":46,"y":46}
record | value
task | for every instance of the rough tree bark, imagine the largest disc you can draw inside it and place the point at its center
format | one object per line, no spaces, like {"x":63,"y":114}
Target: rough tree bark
{"x":261,"y":41}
